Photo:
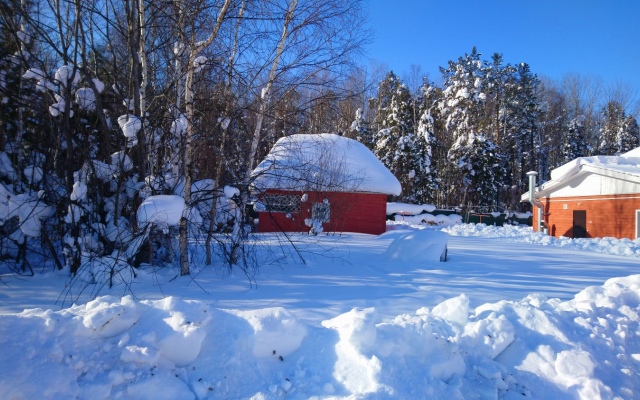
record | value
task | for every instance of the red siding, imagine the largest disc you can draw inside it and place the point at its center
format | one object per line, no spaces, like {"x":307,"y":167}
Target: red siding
{"x":350,"y":212}
{"x":607,"y":216}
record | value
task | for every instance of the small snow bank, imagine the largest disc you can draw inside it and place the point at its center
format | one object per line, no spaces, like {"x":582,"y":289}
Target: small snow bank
{"x":418,"y":214}
{"x":538,"y":348}
{"x":520,"y":234}
{"x":418,"y":246}
{"x":405,"y":208}
{"x":430,"y":219}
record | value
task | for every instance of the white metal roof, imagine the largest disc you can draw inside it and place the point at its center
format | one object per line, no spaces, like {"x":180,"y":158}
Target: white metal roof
{"x":625,"y":167}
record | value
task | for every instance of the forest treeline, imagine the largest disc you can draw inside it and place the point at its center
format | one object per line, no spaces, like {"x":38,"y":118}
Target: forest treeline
{"x":107,"y":102}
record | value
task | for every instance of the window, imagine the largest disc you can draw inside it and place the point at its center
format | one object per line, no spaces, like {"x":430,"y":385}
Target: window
{"x":637,"y":224}
{"x":282,"y":203}
{"x":321,"y":212}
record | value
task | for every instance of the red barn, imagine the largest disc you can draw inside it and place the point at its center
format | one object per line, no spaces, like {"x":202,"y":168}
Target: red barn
{"x":591,"y":197}
{"x":326,"y":182}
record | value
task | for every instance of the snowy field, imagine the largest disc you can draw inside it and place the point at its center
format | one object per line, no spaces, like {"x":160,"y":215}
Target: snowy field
{"x":510,"y":315}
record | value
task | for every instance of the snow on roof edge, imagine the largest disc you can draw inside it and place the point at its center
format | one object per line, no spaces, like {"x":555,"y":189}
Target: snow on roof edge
{"x":627,"y":163}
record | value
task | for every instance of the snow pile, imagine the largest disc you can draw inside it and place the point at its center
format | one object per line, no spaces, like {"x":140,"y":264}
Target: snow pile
{"x":540,"y":348}
{"x":412,"y":209}
{"x":607,"y":245}
{"x":6,"y":166}
{"x":417,"y":246}
{"x":162,"y":210}
{"x":130,"y":125}
{"x":30,"y":210}
{"x":429,"y":219}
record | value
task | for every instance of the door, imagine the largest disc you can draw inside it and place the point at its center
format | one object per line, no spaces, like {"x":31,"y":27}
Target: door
{"x":579,"y":224}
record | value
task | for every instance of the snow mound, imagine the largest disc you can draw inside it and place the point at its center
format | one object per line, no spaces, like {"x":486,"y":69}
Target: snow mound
{"x":162,"y":210}
{"x":413,"y":209}
{"x":537,"y":348}
{"x":277,"y":332}
{"x":520,"y":234}
{"x":418,"y":246}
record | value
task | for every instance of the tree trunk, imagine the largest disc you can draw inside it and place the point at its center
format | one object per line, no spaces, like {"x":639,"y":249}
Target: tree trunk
{"x":187,"y":156}
{"x":223,"y":139}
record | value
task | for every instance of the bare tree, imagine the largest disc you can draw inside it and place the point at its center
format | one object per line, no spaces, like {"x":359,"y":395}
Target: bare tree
{"x":622,"y":93}
{"x":194,"y":49}
{"x":266,"y":91}
{"x":225,"y":121}
{"x":583,"y":94}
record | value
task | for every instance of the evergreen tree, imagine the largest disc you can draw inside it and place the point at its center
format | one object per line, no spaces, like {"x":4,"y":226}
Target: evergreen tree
{"x":395,"y":142}
{"x":552,"y":125}
{"x":360,"y":130}
{"x":574,"y":145}
{"x":382,"y":102}
{"x":462,"y":106}
{"x":501,"y":86}
{"x":521,"y":120}
{"x":610,"y":128}
{"x":482,"y":167}
{"x":628,"y":137}
{"x":428,"y":102}
{"x":463,"y":109}
{"x":426,"y":181}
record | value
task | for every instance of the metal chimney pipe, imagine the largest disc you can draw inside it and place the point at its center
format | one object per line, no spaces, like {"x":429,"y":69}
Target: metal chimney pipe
{"x":532,"y":186}
{"x":535,"y":202}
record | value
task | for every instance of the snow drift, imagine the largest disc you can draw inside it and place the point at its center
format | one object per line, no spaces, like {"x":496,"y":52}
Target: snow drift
{"x":542,"y":348}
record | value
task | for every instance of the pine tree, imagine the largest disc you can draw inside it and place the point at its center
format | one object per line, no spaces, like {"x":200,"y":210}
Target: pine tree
{"x":395,"y":142}
{"x":463,"y":109}
{"x":628,"y":137}
{"x":360,"y":130}
{"x":426,"y":182}
{"x":610,"y":128}
{"x":428,"y":102}
{"x":462,"y":105}
{"x":574,"y":144}
{"x":552,"y":125}
{"x":381,"y":103}
{"x":521,"y":119}
{"x":482,"y":167}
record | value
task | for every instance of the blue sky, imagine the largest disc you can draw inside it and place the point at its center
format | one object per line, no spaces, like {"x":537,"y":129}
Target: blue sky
{"x":555,"y":37}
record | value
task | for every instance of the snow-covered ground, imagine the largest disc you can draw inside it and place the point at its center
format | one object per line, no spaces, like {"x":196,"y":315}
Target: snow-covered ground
{"x":511,"y":314}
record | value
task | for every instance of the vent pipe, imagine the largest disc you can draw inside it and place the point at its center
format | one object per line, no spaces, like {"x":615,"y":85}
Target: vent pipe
{"x":535,"y":202}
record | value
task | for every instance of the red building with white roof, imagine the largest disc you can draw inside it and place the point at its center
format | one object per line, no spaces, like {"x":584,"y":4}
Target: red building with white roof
{"x":592,"y":197}
{"x":326,"y":182}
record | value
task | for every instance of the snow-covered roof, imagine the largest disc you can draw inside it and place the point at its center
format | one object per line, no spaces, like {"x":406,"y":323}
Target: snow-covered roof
{"x":623,"y":164}
{"x":323,"y":162}
{"x":626,"y":165}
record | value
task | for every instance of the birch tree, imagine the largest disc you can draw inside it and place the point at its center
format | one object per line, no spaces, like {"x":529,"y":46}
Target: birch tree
{"x":225,"y":121}
{"x":194,"y":49}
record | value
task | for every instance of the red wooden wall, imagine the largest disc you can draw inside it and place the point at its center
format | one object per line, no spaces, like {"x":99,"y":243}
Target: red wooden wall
{"x":607,"y":216}
{"x":350,"y":212}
